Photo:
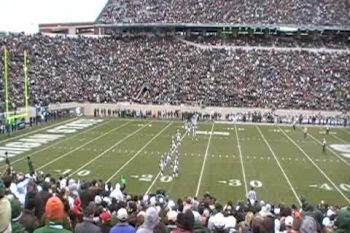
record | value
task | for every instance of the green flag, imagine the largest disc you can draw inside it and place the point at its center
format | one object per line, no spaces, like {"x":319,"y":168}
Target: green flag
{"x":30,"y":165}
{"x":122,"y":180}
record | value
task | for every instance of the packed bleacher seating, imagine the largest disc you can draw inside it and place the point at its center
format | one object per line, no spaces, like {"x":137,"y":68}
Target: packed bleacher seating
{"x":43,"y":204}
{"x":297,"y":12}
{"x":158,"y":70}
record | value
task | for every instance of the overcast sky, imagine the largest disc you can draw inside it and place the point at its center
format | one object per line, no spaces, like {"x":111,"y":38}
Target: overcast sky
{"x":25,"y":15}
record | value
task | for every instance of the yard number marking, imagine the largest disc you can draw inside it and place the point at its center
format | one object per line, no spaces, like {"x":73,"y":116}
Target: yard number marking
{"x":80,"y":173}
{"x":343,"y":149}
{"x":149,"y":178}
{"x":327,"y":187}
{"x":238,"y":183}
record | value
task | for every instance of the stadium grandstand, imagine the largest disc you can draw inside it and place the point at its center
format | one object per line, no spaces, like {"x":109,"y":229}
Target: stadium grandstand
{"x":179,"y":116}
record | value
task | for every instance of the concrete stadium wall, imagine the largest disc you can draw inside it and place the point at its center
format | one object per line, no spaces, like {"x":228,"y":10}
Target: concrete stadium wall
{"x":87,"y":109}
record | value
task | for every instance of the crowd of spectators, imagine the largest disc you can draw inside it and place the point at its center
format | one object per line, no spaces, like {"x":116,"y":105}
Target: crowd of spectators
{"x":157,"y":70}
{"x":297,"y":12}
{"x":47,"y":205}
{"x":327,"y":42}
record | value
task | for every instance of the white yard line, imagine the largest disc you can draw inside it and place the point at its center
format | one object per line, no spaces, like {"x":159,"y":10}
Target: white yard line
{"x":330,"y":149}
{"x":346,"y":131}
{"x":205,"y":160}
{"x":279,"y":165}
{"x":241,"y":159}
{"x":138,"y":152}
{"x":156,"y":178}
{"x":340,"y":139}
{"x":316,"y":166}
{"x":79,"y":147}
{"x":58,"y":142}
{"x":37,"y":130}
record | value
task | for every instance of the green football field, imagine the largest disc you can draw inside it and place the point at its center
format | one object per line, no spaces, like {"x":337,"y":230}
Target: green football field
{"x":223,"y":159}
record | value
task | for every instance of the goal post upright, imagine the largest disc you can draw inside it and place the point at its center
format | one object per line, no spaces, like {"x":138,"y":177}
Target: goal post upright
{"x":10,"y":118}
{"x":6,"y":83}
{"x":26,"y":96}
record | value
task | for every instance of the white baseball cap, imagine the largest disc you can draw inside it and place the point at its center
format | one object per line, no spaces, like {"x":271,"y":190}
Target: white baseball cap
{"x":122,"y":214}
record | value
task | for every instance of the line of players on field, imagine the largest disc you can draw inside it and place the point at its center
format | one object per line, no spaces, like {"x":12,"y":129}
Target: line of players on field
{"x":324,"y":142}
{"x":171,"y":158}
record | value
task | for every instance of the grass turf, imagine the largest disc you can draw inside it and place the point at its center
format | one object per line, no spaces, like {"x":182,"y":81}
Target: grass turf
{"x":278,"y":161}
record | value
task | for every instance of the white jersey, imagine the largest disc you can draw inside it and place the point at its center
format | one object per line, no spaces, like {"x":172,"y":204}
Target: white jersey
{"x":251,"y":196}
{"x":194,"y":119}
{"x":168,"y":158}
{"x":305,"y":130}
{"x":175,"y":168}
{"x":161,"y":167}
{"x":178,"y":136}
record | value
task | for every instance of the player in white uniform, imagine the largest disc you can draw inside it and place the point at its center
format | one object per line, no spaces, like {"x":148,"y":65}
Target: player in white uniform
{"x":251,"y":196}
{"x":175,"y":170}
{"x":168,"y":158}
{"x":187,"y":128}
{"x":305,"y":132}
{"x":161,"y":168}
{"x":194,"y":125}
{"x":178,"y":136}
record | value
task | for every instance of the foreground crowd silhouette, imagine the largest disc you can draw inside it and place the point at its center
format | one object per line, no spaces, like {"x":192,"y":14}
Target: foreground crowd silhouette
{"x":43,"y":204}
{"x":158,"y":70}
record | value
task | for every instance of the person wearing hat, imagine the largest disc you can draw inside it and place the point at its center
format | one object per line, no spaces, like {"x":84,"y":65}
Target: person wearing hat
{"x":184,"y":222}
{"x":150,"y":221}
{"x":122,"y":226}
{"x":5,"y":210}
{"x":16,"y":214}
{"x":105,"y":221}
{"x":288,"y":222}
{"x":88,"y":226}
{"x":54,"y":212}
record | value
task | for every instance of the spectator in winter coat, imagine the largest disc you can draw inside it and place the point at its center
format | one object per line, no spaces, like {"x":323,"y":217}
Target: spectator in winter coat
{"x":123,"y":225}
{"x":117,"y":193}
{"x":308,"y":225}
{"x":5,"y":210}
{"x":288,"y":222}
{"x":342,"y":221}
{"x":105,"y":218}
{"x":28,"y":219}
{"x":184,"y":222}
{"x":150,"y":221}
{"x":75,"y":212}
{"x":16,"y":214}
{"x":160,"y":228}
{"x":54,"y":212}
{"x":41,"y":199}
{"x":88,"y":226}
{"x":246,"y":225}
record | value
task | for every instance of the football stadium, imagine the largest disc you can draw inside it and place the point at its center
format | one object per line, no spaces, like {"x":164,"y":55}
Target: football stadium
{"x":178,"y":116}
